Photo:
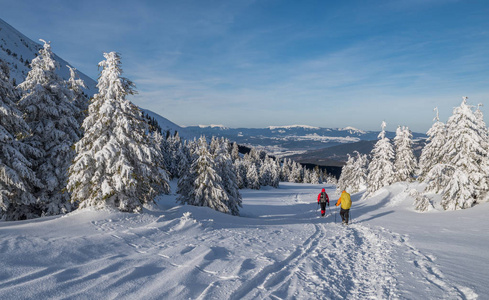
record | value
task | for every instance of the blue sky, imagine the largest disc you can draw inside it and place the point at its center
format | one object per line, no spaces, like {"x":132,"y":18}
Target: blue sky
{"x":262,"y":63}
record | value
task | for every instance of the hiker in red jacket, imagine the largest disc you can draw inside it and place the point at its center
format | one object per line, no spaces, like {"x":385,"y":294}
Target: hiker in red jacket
{"x":322,"y":200}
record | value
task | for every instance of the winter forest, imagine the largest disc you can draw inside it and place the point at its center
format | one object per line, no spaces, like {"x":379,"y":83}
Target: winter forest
{"x":61,"y":151}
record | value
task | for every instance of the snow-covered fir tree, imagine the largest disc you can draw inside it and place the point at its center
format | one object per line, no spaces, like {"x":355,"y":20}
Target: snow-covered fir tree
{"x":405,"y":162}
{"x":266,"y":172}
{"x":276,"y":174}
{"x":306,"y":175}
{"x":296,"y":174}
{"x":359,"y":178}
{"x":117,"y":164}
{"x":432,"y":154}
{"x":235,"y":152}
{"x":51,"y":115}
{"x":315,"y":176}
{"x":354,"y":174}
{"x":346,"y":177}
{"x":285,"y":170}
{"x":183,"y":159}
{"x":177,"y":157}
{"x":17,"y":179}
{"x":80,"y":100}
{"x":421,"y":202}
{"x":241,"y":171}
{"x":465,"y":163}
{"x":381,"y":168}
{"x":202,"y":186}
{"x":227,"y":172}
{"x":252,"y":178}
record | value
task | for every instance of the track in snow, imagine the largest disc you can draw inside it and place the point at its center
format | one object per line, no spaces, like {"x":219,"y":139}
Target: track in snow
{"x":282,"y":252}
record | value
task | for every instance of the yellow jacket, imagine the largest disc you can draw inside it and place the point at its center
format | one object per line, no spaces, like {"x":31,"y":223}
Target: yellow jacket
{"x":344,"y":200}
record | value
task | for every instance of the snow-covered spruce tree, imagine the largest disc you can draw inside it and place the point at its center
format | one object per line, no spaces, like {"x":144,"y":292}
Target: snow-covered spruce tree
{"x":381,"y":168}
{"x":266,"y":172}
{"x":354,"y":174}
{"x":241,"y":170}
{"x":17,"y":179}
{"x":285,"y":170}
{"x":202,"y":186}
{"x":225,"y":168}
{"x":51,"y":115}
{"x":405,"y":162}
{"x":346,"y":177}
{"x":306,"y":175}
{"x":432,"y":154}
{"x":182,"y":157}
{"x":175,"y":156}
{"x":252,"y":178}
{"x":359,"y":178}
{"x":80,"y":100}
{"x":276,"y":174}
{"x":315,"y":176}
{"x":296,"y":175}
{"x":235,"y":152}
{"x":466,"y":159}
{"x":421,"y":202}
{"x":117,"y":164}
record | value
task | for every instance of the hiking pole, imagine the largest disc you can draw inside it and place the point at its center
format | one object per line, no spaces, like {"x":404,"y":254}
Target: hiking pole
{"x":335,"y":215}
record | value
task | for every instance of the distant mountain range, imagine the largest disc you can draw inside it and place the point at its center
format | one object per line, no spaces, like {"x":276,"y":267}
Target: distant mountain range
{"x":306,"y":144}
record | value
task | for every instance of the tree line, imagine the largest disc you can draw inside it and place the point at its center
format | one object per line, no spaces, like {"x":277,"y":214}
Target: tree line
{"x":454,"y":163}
{"x":61,"y":151}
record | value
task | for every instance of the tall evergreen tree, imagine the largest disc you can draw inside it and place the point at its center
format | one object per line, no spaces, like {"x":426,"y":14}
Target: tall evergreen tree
{"x":466,"y":159}
{"x":117,"y":164}
{"x":252,"y":178}
{"x":80,"y":100}
{"x":359,"y":179}
{"x":346,"y":177}
{"x":405,"y":161}
{"x":227,"y":172}
{"x":241,"y":171}
{"x":432,"y":154}
{"x":235,"y":152}
{"x":202,"y":186}
{"x":51,"y":115}
{"x":381,"y":168}
{"x":17,"y":179}
{"x":266,"y":172}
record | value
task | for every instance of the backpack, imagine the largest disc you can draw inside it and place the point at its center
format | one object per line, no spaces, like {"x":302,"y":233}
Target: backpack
{"x":345,"y":200}
{"x":323,"y":198}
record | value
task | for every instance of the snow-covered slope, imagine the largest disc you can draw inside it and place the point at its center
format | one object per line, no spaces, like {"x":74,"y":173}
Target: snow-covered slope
{"x":18,"y":51}
{"x":278,"y":249}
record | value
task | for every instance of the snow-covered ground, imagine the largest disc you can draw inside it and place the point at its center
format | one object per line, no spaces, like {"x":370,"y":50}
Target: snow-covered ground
{"x":278,"y":249}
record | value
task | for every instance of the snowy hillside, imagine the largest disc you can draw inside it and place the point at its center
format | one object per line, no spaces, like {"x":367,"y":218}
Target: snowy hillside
{"x":18,"y":51}
{"x":278,"y":249}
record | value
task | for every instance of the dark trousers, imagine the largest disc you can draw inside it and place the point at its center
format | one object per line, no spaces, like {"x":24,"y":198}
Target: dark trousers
{"x":345,"y":214}
{"x":323,"y":208}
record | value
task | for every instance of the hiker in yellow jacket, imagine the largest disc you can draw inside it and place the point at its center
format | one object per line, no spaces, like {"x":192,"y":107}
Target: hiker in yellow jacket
{"x":345,"y":202}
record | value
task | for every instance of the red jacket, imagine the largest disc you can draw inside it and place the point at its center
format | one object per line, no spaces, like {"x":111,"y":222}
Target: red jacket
{"x":319,"y":196}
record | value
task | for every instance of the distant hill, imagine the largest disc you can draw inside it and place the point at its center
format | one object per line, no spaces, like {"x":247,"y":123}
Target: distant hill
{"x":17,"y":51}
{"x":338,"y":155}
{"x":282,"y":141}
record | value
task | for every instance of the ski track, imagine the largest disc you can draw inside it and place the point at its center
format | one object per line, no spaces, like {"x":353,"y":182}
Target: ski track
{"x":200,"y":261}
